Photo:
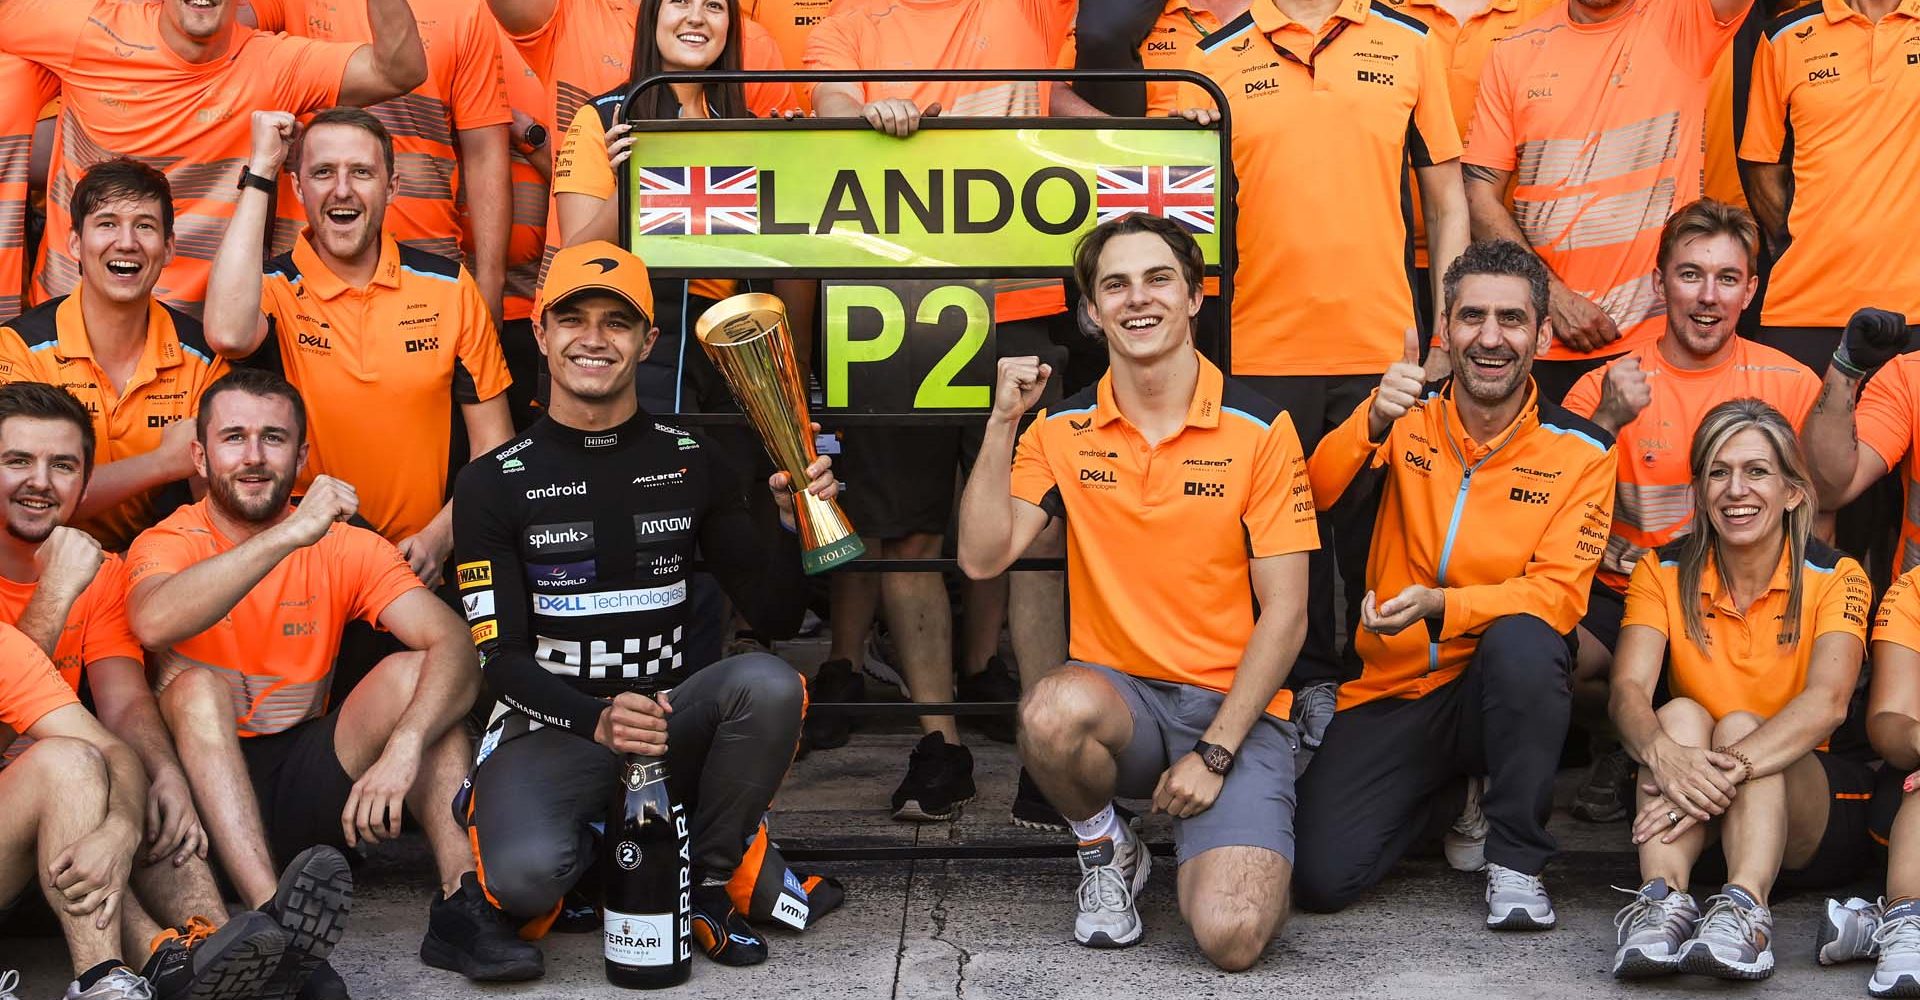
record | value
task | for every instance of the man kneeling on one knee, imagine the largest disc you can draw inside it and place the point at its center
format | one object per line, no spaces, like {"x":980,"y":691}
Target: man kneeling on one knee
{"x":1185,"y":499}
{"x":1493,"y":517}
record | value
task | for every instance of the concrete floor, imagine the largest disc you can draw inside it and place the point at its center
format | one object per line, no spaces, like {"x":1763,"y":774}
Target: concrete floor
{"x":1003,"y":929}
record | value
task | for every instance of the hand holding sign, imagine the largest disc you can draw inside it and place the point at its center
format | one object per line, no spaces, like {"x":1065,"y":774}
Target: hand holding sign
{"x":897,"y":116}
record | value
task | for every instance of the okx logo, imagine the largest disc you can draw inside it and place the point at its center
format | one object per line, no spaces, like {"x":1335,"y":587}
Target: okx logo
{"x":417,"y":345}
{"x":1206,"y":489}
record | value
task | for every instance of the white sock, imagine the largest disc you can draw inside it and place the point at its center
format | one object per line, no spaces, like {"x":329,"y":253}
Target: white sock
{"x":1105,"y":823}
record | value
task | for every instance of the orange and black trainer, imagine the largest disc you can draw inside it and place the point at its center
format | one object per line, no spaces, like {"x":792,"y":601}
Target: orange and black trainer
{"x":721,"y":931}
{"x":201,"y":962}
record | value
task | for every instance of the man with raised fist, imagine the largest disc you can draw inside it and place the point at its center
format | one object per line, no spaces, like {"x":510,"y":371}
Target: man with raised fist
{"x":1651,"y":399}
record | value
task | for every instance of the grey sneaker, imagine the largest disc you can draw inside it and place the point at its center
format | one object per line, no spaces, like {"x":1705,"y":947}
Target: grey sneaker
{"x":1607,"y":793}
{"x":1465,"y":844}
{"x":1846,"y":934}
{"x":1649,"y":932}
{"x":1734,"y":940}
{"x":1312,"y":711}
{"x":1517,"y":901}
{"x":120,"y":984}
{"x":1898,"y":939}
{"x":1113,"y":870}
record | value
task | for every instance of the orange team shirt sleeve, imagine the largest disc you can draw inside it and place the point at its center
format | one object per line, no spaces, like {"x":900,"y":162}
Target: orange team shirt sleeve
{"x":1584,"y":398}
{"x":760,"y":53}
{"x":306,"y":73}
{"x":1557,"y":580}
{"x":479,"y":80}
{"x":834,"y":43}
{"x":159,"y":551}
{"x":582,"y":166}
{"x":378,"y":569}
{"x":1490,"y":132}
{"x":30,"y":687}
{"x":1341,"y":454}
{"x":269,"y":15}
{"x":1694,"y":37}
{"x":1766,"y":129}
{"x":1647,"y":597}
{"x":16,"y":362}
{"x":43,"y":31}
{"x":1884,"y":417}
{"x":1844,"y":602}
{"x":108,"y":633}
{"x":1279,"y":517}
{"x":1898,"y":620}
{"x":1032,"y":473}
{"x":482,"y":366}
{"x":1433,"y":136}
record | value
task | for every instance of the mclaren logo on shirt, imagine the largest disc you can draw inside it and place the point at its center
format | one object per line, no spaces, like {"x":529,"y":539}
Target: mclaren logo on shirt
{"x":609,"y":602}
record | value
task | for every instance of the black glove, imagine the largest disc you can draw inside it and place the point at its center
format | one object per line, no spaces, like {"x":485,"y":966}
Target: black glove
{"x":1872,"y":338}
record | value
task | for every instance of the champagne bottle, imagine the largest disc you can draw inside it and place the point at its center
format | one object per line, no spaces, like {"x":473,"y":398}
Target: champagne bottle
{"x":648,"y":930}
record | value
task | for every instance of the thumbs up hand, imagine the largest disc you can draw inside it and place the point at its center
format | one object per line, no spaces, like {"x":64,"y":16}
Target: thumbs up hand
{"x":1399,"y":389}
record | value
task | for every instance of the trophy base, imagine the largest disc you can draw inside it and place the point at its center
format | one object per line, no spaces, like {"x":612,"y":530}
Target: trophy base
{"x":826,"y":557}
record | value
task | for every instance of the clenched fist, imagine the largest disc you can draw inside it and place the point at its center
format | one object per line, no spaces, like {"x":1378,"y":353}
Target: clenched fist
{"x":1623,"y":394}
{"x":1019,"y":386}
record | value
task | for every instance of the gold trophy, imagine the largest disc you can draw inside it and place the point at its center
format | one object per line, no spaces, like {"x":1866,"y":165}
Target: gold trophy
{"x":748,"y":340}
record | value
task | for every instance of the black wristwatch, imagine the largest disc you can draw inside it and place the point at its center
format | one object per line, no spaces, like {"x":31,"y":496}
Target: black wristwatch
{"x":249,"y":179}
{"x":533,"y":138}
{"x":1218,"y":759}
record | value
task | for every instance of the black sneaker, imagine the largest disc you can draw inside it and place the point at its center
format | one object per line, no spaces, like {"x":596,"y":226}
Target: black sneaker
{"x":939,"y":781}
{"x":721,"y":931}
{"x":324,"y":984}
{"x":311,"y":905}
{"x":835,"y":681}
{"x":198,"y":962}
{"x":995,"y":682}
{"x":469,"y":935}
{"x":1032,"y":810}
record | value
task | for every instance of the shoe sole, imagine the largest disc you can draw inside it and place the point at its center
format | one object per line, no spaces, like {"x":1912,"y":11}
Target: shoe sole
{"x":911,"y":812}
{"x":313,"y":900}
{"x":441,"y":955}
{"x":1106,"y":942}
{"x":1903,"y":985}
{"x":1700,"y":960}
{"x":1518,"y":919}
{"x":1637,"y":964}
{"x":246,"y":960}
{"x":1042,"y":825}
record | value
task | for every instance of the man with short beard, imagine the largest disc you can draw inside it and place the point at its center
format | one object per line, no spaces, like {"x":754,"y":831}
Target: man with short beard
{"x":1492,"y":518}
{"x":382,"y":338}
{"x":172,"y":83}
{"x":136,"y":364}
{"x":242,"y":599}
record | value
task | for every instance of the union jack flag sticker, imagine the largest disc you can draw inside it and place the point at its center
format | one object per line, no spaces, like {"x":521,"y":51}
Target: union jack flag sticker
{"x":1182,"y":194}
{"x":698,"y":201}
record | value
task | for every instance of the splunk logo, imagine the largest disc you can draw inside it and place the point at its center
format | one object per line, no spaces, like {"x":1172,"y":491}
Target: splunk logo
{"x":555,"y":537}
{"x":578,"y":489}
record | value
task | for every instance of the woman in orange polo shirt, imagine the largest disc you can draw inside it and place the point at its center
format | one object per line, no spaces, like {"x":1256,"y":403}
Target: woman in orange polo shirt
{"x":1752,"y":632}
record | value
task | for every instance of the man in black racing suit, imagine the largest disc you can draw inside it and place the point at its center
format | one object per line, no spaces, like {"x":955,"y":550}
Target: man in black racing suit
{"x":574,"y":544}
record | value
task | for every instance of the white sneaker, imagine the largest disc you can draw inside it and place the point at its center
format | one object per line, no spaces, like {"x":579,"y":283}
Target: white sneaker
{"x":120,"y":984}
{"x":1846,"y":932}
{"x":9,"y":981}
{"x":1517,"y":901}
{"x":1113,"y":870}
{"x":1898,"y":938}
{"x":1649,"y":932}
{"x":1465,"y":845}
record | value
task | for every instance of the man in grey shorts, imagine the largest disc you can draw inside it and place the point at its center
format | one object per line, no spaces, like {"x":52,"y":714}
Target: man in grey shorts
{"x":1186,"y":500}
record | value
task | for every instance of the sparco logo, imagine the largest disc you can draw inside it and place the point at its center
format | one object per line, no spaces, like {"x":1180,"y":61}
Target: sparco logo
{"x":578,"y":489}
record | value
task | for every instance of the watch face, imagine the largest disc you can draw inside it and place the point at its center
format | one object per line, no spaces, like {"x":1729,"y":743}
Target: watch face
{"x":536,"y":136}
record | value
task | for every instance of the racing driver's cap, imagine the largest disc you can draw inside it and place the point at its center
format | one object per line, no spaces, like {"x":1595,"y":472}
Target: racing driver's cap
{"x":596,"y":267}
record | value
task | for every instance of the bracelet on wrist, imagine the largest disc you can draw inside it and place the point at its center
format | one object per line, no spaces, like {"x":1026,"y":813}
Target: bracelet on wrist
{"x":1742,"y":758}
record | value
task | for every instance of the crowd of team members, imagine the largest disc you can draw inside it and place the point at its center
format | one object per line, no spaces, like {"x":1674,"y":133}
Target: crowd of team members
{"x":1593,"y":392}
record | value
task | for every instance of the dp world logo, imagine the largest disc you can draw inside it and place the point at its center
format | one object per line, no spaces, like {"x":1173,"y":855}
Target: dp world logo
{"x":627,"y":856}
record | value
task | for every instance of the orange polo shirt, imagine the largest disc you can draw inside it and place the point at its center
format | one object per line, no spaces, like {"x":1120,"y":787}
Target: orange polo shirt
{"x":24,"y":90}
{"x":1466,"y":45}
{"x":1898,"y":618}
{"x":276,"y":648}
{"x":530,"y":194}
{"x":464,"y":90}
{"x":1885,"y":418}
{"x":789,"y":23}
{"x":380,"y":365}
{"x":1654,"y":502}
{"x":29,"y":685}
{"x":1745,"y":668}
{"x":96,"y":627}
{"x":1324,"y":123}
{"x":1512,"y":526}
{"x":1848,"y":91}
{"x":49,"y":344}
{"x":126,"y":93}
{"x":1602,"y":127}
{"x":1159,"y":535}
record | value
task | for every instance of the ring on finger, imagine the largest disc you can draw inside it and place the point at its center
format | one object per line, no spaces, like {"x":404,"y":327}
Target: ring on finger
{"x":1673,"y":818}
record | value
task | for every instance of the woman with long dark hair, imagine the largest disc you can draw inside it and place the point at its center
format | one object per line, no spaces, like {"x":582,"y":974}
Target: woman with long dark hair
{"x":1752,"y":632}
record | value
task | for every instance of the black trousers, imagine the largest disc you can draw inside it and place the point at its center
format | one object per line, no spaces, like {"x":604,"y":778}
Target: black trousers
{"x":729,"y":741}
{"x":1107,"y":35}
{"x":1317,"y":404}
{"x":1395,"y":769}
